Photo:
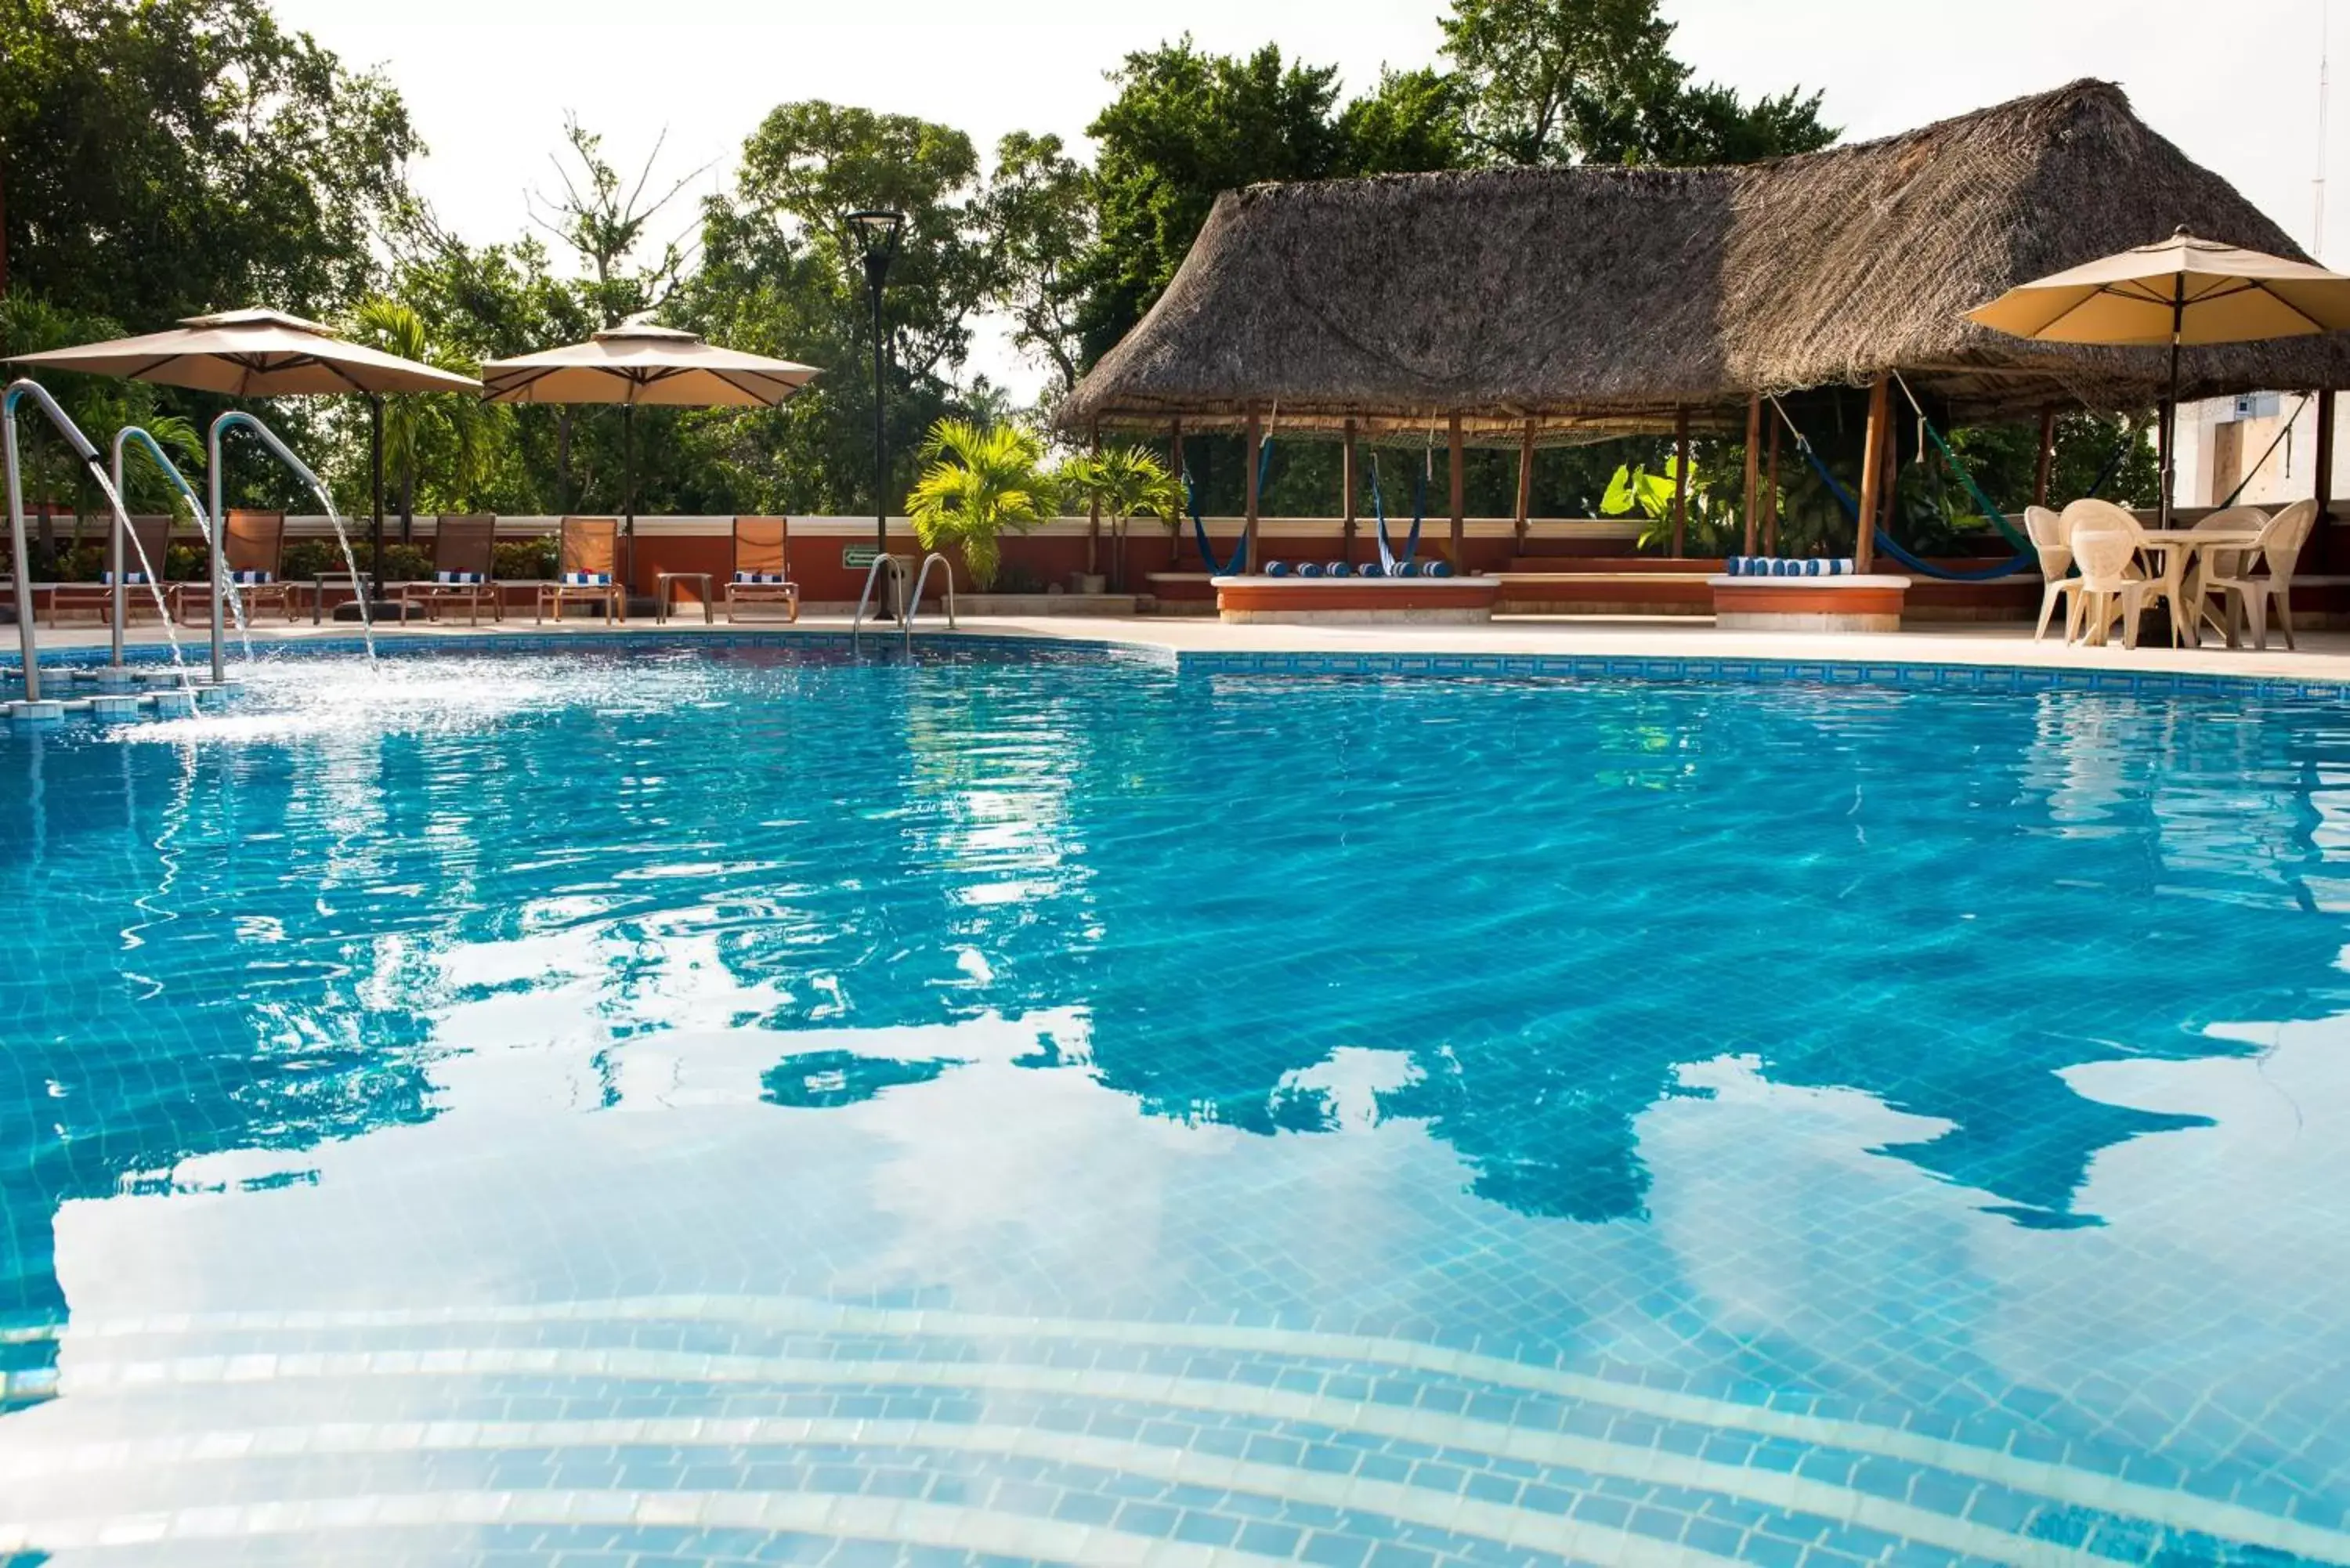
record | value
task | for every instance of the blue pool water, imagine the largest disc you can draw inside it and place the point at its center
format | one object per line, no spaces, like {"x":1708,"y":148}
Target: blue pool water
{"x":658,"y":1108}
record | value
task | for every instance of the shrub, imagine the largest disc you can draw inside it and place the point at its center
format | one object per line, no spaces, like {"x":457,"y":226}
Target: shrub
{"x":523,"y":560}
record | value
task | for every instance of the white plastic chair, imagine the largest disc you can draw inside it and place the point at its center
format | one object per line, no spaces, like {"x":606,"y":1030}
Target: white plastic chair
{"x":2105,"y":552}
{"x":2249,"y":593}
{"x":2047,"y":532}
{"x":2162,"y":571}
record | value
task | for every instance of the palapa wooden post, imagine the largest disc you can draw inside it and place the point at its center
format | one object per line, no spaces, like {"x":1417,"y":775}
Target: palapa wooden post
{"x":1460,"y":513}
{"x":2322,"y":484}
{"x":1093,"y":519}
{"x":1872,"y":472}
{"x":1347,"y":479}
{"x":1252,"y":454}
{"x":1771,"y":497}
{"x":1175,"y":467}
{"x":2047,"y":455}
{"x":1680,"y":482}
{"x":1525,"y":484}
{"x":1753,"y":469}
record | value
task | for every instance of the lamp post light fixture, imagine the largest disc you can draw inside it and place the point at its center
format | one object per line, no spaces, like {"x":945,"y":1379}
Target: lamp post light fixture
{"x":879,"y":229}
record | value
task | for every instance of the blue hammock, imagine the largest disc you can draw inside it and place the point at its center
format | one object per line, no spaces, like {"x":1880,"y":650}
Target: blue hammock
{"x":1200,"y":527}
{"x":1885,"y":541}
{"x":1389,"y":561}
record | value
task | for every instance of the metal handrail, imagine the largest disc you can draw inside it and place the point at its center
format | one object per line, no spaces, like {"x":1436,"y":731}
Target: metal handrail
{"x":118,"y":600}
{"x":896,"y":568}
{"x":922,"y":581}
{"x":21,"y":565}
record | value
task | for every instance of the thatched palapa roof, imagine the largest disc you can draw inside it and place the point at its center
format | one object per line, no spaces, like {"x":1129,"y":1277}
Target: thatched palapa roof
{"x":1591,"y":298}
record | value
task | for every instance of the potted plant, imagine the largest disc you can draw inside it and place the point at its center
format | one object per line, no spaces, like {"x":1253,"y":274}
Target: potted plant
{"x":977,"y":483}
{"x":1125,"y":482}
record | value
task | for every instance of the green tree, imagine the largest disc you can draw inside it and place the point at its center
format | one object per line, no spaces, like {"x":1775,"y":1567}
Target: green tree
{"x":440,"y":437}
{"x":1038,"y":220}
{"x":606,"y":222}
{"x":1413,"y":121}
{"x":1569,"y":81}
{"x":1123,"y":482}
{"x":159,"y":158}
{"x":781,"y":274}
{"x":977,"y":483}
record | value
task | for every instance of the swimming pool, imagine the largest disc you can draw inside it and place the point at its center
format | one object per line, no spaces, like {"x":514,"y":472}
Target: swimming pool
{"x":653,"y":1108}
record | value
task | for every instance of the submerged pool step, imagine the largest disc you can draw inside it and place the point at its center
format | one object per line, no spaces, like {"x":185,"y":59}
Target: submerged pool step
{"x":1422,"y":1437}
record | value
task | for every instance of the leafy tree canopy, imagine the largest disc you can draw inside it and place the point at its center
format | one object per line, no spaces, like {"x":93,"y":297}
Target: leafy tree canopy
{"x":178,"y":156}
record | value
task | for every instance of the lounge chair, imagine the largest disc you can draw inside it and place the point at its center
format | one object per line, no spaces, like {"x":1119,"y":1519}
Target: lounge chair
{"x":465,"y":568}
{"x":2048,"y":542}
{"x":2105,"y":551}
{"x":152,"y":533}
{"x":586,"y":571}
{"x":762,"y":567}
{"x":252,"y":545}
{"x":2246,"y":592}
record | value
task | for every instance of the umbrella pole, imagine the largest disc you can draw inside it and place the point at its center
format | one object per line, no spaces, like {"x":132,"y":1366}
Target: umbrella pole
{"x":2170,"y":402}
{"x":373,"y":587}
{"x":628,"y":499}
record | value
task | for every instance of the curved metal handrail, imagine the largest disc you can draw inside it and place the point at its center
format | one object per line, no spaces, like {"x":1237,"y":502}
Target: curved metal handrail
{"x":118,"y":601}
{"x":20,"y":562}
{"x":216,"y":564}
{"x":922,"y":581}
{"x":896,"y":568}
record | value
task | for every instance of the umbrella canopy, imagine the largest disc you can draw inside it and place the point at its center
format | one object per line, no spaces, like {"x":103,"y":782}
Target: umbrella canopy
{"x":639,"y":363}
{"x":254,"y":354}
{"x":2206,"y":292}
{"x":2182,"y":291}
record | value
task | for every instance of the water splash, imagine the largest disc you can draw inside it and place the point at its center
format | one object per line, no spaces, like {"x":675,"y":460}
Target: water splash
{"x":228,"y":583}
{"x":363,"y":585}
{"x":147,"y":570}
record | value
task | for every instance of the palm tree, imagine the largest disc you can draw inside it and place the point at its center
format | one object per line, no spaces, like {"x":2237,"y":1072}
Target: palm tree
{"x":1123,"y":480}
{"x":456,"y":427}
{"x":978,"y":481}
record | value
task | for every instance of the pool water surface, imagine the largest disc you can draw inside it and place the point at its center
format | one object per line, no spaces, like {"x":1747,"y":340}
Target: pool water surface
{"x":631,"y":1108}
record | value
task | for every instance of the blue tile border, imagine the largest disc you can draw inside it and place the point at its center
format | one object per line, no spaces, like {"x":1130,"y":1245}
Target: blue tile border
{"x":1901,"y":675}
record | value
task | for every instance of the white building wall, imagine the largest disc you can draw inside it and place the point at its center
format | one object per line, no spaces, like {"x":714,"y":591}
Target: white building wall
{"x":2213,"y":458}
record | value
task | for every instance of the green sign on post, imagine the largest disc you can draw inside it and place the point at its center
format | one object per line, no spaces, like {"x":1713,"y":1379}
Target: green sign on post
{"x":858,"y":557}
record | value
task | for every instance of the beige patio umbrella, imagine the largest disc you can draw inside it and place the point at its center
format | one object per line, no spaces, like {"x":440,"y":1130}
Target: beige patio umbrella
{"x":2181,"y":291}
{"x":263,"y":354}
{"x":638,"y":362}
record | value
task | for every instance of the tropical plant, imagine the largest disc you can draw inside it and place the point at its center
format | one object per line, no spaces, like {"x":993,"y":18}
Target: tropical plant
{"x":1123,"y":482}
{"x":977,"y":482}
{"x":454,"y":427}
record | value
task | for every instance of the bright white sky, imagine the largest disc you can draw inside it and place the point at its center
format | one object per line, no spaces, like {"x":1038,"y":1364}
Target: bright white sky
{"x":489,"y":81}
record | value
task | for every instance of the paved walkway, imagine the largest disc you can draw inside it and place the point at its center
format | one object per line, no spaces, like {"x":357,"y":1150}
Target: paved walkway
{"x":2322,"y":656}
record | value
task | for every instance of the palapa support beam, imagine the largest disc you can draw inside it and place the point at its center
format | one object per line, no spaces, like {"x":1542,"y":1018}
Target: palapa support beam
{"x":1771,"y":497}
{"x":1455,"y":462}
{"x":1680,"y":482}
{"x":1872,"y":471}
{"x":2047,"y":455}
{"x":1346,"y":480}
{"x":1255,"y":440}
{"x":1753,"y":469}
{"x":2321,"y":481}
{"x":1175,"y":467}
{"x":1525,"y":484}
{"x":1093,"y":517}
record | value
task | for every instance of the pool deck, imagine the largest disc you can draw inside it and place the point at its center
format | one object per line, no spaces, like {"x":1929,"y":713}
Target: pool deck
{"x":2322,"y":656}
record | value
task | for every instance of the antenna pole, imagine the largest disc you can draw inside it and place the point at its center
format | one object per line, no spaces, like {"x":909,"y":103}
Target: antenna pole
{"x":2317,"y":233}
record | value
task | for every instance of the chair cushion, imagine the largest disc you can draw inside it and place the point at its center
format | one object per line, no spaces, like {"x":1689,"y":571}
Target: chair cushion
{"x":761,"y":579}
{"x":586,"y":579}
{"x":252,"y":579}
{"x":458,"y":580}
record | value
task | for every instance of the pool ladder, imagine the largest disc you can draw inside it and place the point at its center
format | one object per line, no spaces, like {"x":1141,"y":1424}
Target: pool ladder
{"x":906,"y":604}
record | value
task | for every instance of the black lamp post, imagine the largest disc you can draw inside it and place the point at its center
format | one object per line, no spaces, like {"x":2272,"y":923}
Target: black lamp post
{"x":879,"y":230}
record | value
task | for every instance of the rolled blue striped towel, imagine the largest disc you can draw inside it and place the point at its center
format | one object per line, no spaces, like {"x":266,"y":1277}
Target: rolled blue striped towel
{"x":586,"y":579}
{"x":249,"y":579}
{"x":761,"y":579}
{"x":458,"y":579}
{"x":129,"y":579}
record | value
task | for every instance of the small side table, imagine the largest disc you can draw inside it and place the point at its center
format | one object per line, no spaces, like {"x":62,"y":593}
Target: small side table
{"x":665,"y":595}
